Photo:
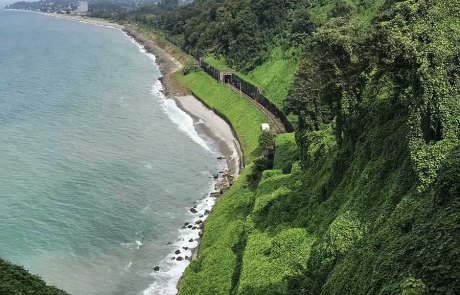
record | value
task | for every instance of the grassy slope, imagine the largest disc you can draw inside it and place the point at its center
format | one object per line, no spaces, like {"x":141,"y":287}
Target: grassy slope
{"x":244,"y":117}
{"x":285,"y":151}
{"x":343,"y":225}
{"x":274,"y":76}
{"x":352,"y":222}
{"x":222,"y":244}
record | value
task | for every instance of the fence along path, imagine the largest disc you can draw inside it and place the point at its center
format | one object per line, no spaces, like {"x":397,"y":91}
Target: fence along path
{"x":276,"y":117}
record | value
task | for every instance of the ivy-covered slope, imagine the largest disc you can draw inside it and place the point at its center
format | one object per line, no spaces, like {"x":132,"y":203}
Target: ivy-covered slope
{"x":367,"y":199}
{"x":15,"y":280}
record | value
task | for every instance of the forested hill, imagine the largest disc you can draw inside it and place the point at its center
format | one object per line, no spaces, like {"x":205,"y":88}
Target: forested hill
{"x":16,"y":280}
{"x":366,"y":200}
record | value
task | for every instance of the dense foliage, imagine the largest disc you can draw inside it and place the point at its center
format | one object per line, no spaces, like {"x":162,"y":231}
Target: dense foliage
{"x":365,"y":201}
{"x":364,"y":198}
{"x":15,"y":280}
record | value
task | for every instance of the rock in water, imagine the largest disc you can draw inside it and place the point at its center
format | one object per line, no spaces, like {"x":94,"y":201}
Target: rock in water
{"x":156,"y":268}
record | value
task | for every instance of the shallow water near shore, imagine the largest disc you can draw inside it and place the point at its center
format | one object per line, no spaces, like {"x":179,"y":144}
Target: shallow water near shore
{"x":98,"y":169}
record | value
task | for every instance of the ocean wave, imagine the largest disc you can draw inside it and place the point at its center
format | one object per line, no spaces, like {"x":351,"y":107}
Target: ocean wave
{"x":182,"y":120}
{"x":141,"y":48}
{"x":166,"y":279}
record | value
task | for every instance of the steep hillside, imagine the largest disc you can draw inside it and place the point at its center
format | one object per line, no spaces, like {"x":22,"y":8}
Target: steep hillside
{"x":367,"y":199}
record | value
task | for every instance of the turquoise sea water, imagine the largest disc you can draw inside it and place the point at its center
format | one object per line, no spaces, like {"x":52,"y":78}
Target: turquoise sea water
{"x":97,"y":169}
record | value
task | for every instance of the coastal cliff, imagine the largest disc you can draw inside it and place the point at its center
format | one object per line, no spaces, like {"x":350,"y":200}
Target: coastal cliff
{"x":363,"y":199}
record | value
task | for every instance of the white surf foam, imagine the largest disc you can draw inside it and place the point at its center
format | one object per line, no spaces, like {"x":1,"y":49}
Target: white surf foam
{"x":142,"y":48}
{"x":182,"y":120}
{"x":165,"y":280}
{"x":139,"y":244}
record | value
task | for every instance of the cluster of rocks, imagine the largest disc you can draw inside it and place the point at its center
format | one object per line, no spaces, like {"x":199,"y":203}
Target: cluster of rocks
{"x":222,"y":186}
{"x":226,"y":182}
{"x":180,"y":258}
{"x":196,"y":225}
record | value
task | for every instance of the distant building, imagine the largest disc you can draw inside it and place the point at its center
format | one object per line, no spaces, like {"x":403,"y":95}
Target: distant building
{"x":82,"y":7}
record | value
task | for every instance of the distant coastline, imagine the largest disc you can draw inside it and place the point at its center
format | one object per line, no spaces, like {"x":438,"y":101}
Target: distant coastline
{"x":82,"y":19}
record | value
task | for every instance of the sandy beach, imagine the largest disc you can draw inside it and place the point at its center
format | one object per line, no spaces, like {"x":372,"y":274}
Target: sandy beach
{"x":214,"y":126}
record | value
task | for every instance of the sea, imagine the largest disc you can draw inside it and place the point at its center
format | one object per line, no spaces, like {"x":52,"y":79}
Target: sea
{"x":98,"y":170}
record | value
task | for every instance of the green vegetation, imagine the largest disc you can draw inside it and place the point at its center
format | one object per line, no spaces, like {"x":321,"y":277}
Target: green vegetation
{"x":274,"y":76}
{"x":285,"y":152}
{"x":366,"y":201}
{"x":162,"y":42}
{"x":364,"y":198}
{"x":244,"y":117}
{"x":15,"y":280}
{"x":216,"y":270}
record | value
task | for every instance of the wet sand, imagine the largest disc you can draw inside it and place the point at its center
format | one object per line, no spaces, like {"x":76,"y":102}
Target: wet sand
{"x":214,"y":127}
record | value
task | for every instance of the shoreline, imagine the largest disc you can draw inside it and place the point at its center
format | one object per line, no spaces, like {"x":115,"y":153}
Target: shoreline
{"x":213,"y":125}
{"x":166,"y":62}
{"x":208,"y":124}
{"x":77,"y":18}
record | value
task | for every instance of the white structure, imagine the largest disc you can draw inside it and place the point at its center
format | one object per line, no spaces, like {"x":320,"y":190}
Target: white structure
{"x":82,"y":7}
{"x":265,"y":127}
